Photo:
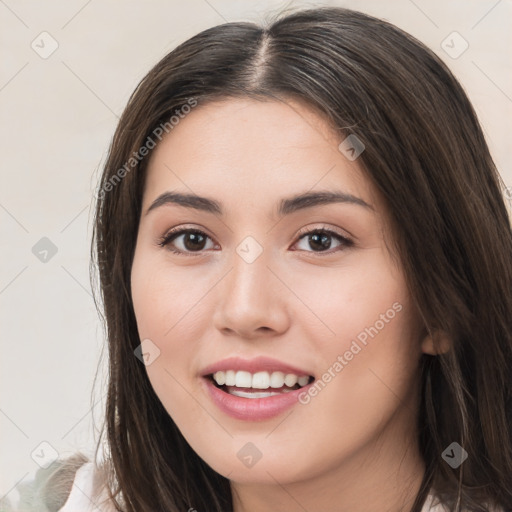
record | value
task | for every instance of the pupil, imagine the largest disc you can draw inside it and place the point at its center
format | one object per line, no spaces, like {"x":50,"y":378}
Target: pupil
{"x":322,"y":240}
{"x":196,"y":238}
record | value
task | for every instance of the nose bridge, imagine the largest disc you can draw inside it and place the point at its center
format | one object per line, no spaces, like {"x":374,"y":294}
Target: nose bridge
{"x":248,"y":281}
{"x":249,"y":299}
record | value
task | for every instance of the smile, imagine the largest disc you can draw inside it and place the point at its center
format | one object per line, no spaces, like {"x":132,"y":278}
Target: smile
{"x":262,"y":389}
{"x":246,"y":384}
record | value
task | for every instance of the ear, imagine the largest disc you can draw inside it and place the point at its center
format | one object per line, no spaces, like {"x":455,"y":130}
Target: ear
{"x":436,"y":343}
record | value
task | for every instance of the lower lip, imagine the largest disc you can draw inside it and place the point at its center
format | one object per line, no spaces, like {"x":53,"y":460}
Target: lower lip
{"x":252,"y":409}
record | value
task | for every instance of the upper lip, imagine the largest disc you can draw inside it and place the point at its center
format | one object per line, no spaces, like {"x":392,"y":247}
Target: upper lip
{"x":257,"y":364}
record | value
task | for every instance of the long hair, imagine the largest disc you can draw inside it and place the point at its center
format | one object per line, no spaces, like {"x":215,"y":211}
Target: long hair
{"x":426,"y":155}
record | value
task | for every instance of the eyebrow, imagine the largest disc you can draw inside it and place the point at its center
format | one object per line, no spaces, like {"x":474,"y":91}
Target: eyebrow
{"x":286,"y":206}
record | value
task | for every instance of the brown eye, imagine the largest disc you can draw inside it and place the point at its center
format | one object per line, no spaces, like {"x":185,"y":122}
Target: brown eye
{"x":187,"y":240}
{"x":320,"y":240}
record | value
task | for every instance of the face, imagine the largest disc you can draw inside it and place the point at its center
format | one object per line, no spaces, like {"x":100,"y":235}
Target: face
{"x":260,"y":290}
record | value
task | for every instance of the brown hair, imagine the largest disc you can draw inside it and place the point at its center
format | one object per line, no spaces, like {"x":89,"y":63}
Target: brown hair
{"x":426,"y":155}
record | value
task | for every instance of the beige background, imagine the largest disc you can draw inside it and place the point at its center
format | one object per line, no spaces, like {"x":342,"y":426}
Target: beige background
{"x":58,"y":116}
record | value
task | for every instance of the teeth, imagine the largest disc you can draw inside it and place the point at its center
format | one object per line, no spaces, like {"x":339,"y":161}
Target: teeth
{"x":277,"y":380}
{"x":290,"y":380}
{"x":221,"y":378}
{"x":303,"y":380}
{"x":261,"y":394}
{"x":243,"y":380}
{"x":230,"y":378}
{"x":259,"y":380}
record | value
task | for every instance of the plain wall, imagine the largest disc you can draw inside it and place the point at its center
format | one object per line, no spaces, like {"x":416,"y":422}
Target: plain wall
{"x":58,"y":116}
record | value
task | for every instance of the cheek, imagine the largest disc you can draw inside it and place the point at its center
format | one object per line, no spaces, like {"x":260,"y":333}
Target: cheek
{"x":372,"y":368}
{"x":370,"y":359}
{"x":365,"y":300}
{"x":165,"y":299}
{"x":168,"y":310}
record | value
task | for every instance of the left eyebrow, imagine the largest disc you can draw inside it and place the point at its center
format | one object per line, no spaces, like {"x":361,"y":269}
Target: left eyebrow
{"x":204,"y":204}
{"x":286,"y":206}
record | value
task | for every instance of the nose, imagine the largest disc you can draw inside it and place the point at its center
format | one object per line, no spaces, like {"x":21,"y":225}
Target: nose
{"x":252,"y":301}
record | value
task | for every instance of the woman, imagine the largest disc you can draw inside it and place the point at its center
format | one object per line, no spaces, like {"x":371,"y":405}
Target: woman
{"x":305,"y":263}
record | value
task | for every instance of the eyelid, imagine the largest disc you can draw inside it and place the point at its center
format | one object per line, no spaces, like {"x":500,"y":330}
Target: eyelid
{"x":185,"y":227}
{"x":324,"y":227}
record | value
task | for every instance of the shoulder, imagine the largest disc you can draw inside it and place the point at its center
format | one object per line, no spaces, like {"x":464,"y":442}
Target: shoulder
{"x":88,"y":492}
{"x":72,"y":484}
{"x":47,"y":489}
{"x":433,"y":504}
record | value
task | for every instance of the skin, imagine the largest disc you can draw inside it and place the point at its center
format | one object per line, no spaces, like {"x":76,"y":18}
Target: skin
{"x":353,"y":447}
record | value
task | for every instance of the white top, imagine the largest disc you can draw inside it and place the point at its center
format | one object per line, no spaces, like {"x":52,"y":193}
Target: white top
{"x":79,"y":500}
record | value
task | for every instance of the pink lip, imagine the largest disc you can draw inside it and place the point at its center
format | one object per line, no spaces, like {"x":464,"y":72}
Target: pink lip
{"x":252,"y":409}
{"x":257,"y":364}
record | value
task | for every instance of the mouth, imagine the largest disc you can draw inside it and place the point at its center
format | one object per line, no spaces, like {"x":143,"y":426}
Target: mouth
{"x":258,"y":385}
{"x":254,"y":389}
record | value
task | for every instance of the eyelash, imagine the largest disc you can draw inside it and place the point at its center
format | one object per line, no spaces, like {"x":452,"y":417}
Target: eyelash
{"x":170,"y":236}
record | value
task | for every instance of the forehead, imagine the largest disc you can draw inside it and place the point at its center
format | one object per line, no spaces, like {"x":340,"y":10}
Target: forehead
{"x":253,"y":152}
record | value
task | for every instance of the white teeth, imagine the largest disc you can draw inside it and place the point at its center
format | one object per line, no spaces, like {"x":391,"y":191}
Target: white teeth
{"x":230,"y":378}
{"x":303,"y":381}
{"x":220,"y":378}
{"x":243,"y":380}
{"x":277,"y":380}
{"x":249,"y":394}
{"x":259,"y":380}
{"x":290,"y":380}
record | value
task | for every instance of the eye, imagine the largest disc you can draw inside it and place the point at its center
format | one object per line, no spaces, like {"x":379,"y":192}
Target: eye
{"x":321,"y":240}
{"x":193,"y":240}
